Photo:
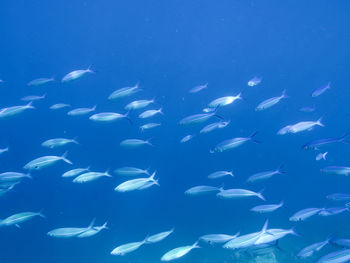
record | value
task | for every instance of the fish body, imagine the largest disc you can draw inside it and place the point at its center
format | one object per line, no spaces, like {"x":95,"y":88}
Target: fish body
{"x":178,"y":252}
{"x":75,"y":172}
{"x":40,"y":81}
{"x":150,"y":113}
{"x":134,"y":143}
{"x":219,"y":174}
{"x":321,"y":156}
{"x":284,"y":130}
{"x":19,"y":218}
{"x":238,"y":193}
{"x":223,"y":101}
{"x":197,"y":118}
{"x":341,"y":242}
{"x":338,"y":170}
{"x":158,"y":237}
{"x":318,"y":91}
{"x":81,"y":111}
{"x":214,"y":126}
{"x":266,"y":208}
{"x":69,"y":232}
{"x":124,"y":92}
{"x":271,"y":102}
{"x":12,"y":177}
{"x":3,"y":150}
{"x":148,"y":126}
{"x":304,"y":214}
{"x":202,"y":189}
{"x":312,"y":145}
{"x":264,"y":175}
{"x":233,"y":143}
{"x":90,"y":176}
{"x":333,"y":211}
{"x":127,"y":248}
{"x":45,"y":161}
{"x":339,"y":197}
{"x":57,"y":142}
{"x":15,"y":110}
{"x":108,"y":116}
{"x":311,"y":249}
{"x":340,"y":256}
{"x":254,"y":81}
{"x":138,"y":104}
{"x":272,"y":235}
{"x":307,"y":109}
{"x":131,"y":171}
{"x":198,"y":88}
{"x":59,"y":106}
{"x":76,"y":74}
{"x":187,"y":138}
{"x":305,"y":126}
{"x":218,"y":238}
{"x":137,"y":184}
{"x":92,"y":231}
{"x":33,"y":97}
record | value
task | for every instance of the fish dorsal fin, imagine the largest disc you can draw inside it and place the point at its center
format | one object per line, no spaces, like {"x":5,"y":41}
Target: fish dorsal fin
{"x":91,"y":224}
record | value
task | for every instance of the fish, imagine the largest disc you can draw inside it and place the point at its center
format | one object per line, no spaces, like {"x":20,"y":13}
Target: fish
{"x":311,"y":249}
{"x":148,"y":126}
{"x":340,"y":256}
{"x":137,"y":184}
{"x":315,"y":144}
{"x":198,"y":88}
{"x":341,"y":242}
{"x":40,"y":81}
{"x":4,"y":191}
{"x":271,"y":102}
{"x":127,"y":248}
{"x":247,"y":240}
{"x":308,"y":109}
{"x":321,"y":156}
{"x":207,"y":110}
{"x":233,"y":143}
{"x":264,"y":175}
{"x":202,"y":189}
{"x":94,"y":230}
{"x":19,"y":218}
{"x":319,"y":91}
{"x":45,"y":161}
{"x":58,"y":142}
{"x":224,"y":101}
{"x":109,"y":117}
{"x":150,"y":113}
{"x":75,"y":172}
{"x":338,"y":197}
{"x":159,"y":237}
{"x":333,"y":211}
{"x":178,"y":252}
{"x":187,"y":138}
{"x":81,"y":111}
{"x":90,"y":176}
{"x":15,"y":110}
{"x":284,"y":130}
{"x":273,"y":235}
{"x":33,"y":97}
{"x":304,"y":214}
{"x":3,"y":150}
{"x":213,"y":126}
{"x":138,"y":104}
{"x":254,"y":81}
{"x":305,"y":126}
{"x":76,"y":74}
{"x":338,"y":170}
{"x":238,"y":193}
{"x":218,"y":238}
{"x":135,"y":143}
{"x":58,"y":106}
{"x":219,"y":174}
{"x":262,"y":209}
{"x":198,"y":118}
{"x":131,"y":171}
{"x":124,"y":92}
{"x":13,"y":177}
{"x":70,"y":232}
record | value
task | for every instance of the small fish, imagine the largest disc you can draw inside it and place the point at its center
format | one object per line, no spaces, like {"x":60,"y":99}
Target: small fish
{"x":340,"y":256}
{"x":150,"y":113}
{"x":108,"y":117}
{"x":45,"y":161}
{"x":134,"y":143}
{"x":69,"y":232}
{"x":19,"y":218}
{"x":223,"y":101}
{"x":92,"y":231}
{"x":214,"y":126}
{"x":272,"y":235}
{"x":3,"y":150}
{"x":321,"y":156}
{"x":271,"y":102}
{"x":220,"y":174}
{"x":187,"y":138}
{"x":308,"y":109}
{"x":198,"y":118}
{"x":333,"y":211}
{"x":58,"y":142}
{"x":264,"y":175}
{"x":304,"y":214}
{"x":254,"y":81}
{"x":90,"y":176}
{"x":58,"y":106}
{"x":338,"y":170}
{"x":341,"y":242}
{"x":124,"y":92}
{"x":284,"y":130}
{"x":13,"y":177}
{"x":159,"y":237}
{"x":233,"y":143}
{"x":4,"y":191}
{"x":33,"y":97}
{"x":75,"y":172}
{"x":76,"y":74}
{"x":305,"y":126}
{"x":131,"y":171}
{"x":318,"y":91}
{"x":218,"y":238}
{"x":199,"y":88}
{"x":207,"y":110}
{"x":127,"y":248}
{"x":311,"y":249}
{"x":262,"y":209}
{"x":81,"y":111}
{"x":148,"y":126}
{"x":202,"y":189}
{"x":338,"y":197}
{"x":138,"y":104}
{"x":137,"y":184}
{"x":178,"y":252}
{"x":40,"y":81}
{"x":238,"y":193}
{"x":315,"y":144}
{"x":15,"y":110}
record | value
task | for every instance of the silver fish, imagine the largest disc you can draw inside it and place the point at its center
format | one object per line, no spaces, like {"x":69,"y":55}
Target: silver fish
{"x":45,"y":161}
{"x":264,"y":175}
{"x":178,"y":252}
{"x":76,"y":74}
{"x":108,"y":117}
{"x":239,"y":193}
{"x":131,"y":171}
{"x":321,"y":156}
{"x":318,"y":91}
{"x":19,"y":218}
{"x":305,"y":126}
{"x":202,"y":189}
{"x":198,"y":118}
{"x":58,"y":142}
{"x":33,"y":97}
{"x":273,"y":235}
{"x":69,"y":232}
{"x":220,"y":174}
{"x":40,"y":81}
{"x":284,"y":130}
{"x":134,"y":143}
{"x":233,"y":143}
{"x":305,"y":214}
{"x":138,"y":104}
{"x":338,"y":170}
{"x":148,"y":126}
{"x":218,"y":238}
{"x":58,"y":106}
{"x":127,"y":248}
{"x":159,"y":237}
{"x":92,"y":231}
{"x":124,"y":92}
{"x":187,"y":138}
{"x":340,"y":256}
{"x":137,"y":184}
{"x":223,"y":101}
{"x":311,"y":249}
{"x":150,"y":113}
{"x":254,"y":81}
{"x":13,"y":177}
{"x":198,"y":88}
{"x":75,"y":172}
{"x":333,"y":211}
{"x":15,"y":110}
{"x":341,"y":242}
{"x":321,"y":142}
{"x":266,"y":208}
{"x":81,"y":111}
{"x":338,"y":197}
{"x":90,"y":176}
{"x":271,"y":102}
{"x":308,"y":109}
{"x":3,"y":150}
{"x":214,"y":126}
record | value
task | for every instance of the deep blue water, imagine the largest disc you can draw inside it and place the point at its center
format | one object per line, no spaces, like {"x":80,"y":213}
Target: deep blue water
{"x":170,"y":47}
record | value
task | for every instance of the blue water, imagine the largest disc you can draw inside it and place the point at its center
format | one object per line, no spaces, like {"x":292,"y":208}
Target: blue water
{"x":170,"y":47}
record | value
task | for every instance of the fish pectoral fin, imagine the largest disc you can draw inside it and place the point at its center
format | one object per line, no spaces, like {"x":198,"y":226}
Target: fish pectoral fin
{"x":18,"y":226}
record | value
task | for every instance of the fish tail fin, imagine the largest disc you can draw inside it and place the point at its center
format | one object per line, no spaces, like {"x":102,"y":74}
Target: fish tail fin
{"x":106,"y":173}
{"x":30,"y":105}
{"x":293,"y":232}
{"x":195,"y":245}
{"x":104,"y":226}
{"x":41,"y":213}
{"x":252,"y":137}
{"x":231,"y":174}
{"x":126,"y":116}
{"x":153,"y":175}
{"x":239,"y":96}
{"x":342,"y":138}
{"x":319,"y":122}
{"x":94,"y":107}
{"x":92,"y":223}
{"x":284,"y":94}
{"x":281,"y":203}
{"x":324,"y":156}
{"x":149,"y":142}
{"x":28,"y":176}
{"x":64,"y":158}
{"x":161,"y":111}
{"x":74,"y":140}
{"x":147,"y":170}
{"x":280,"y":169}
{"x":89,"y":69}
{"x":259,"y":194}
{"x":264,"y":228}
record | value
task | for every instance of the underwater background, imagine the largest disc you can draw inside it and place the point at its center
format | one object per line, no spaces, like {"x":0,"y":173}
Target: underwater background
{"x":170,"y":47}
